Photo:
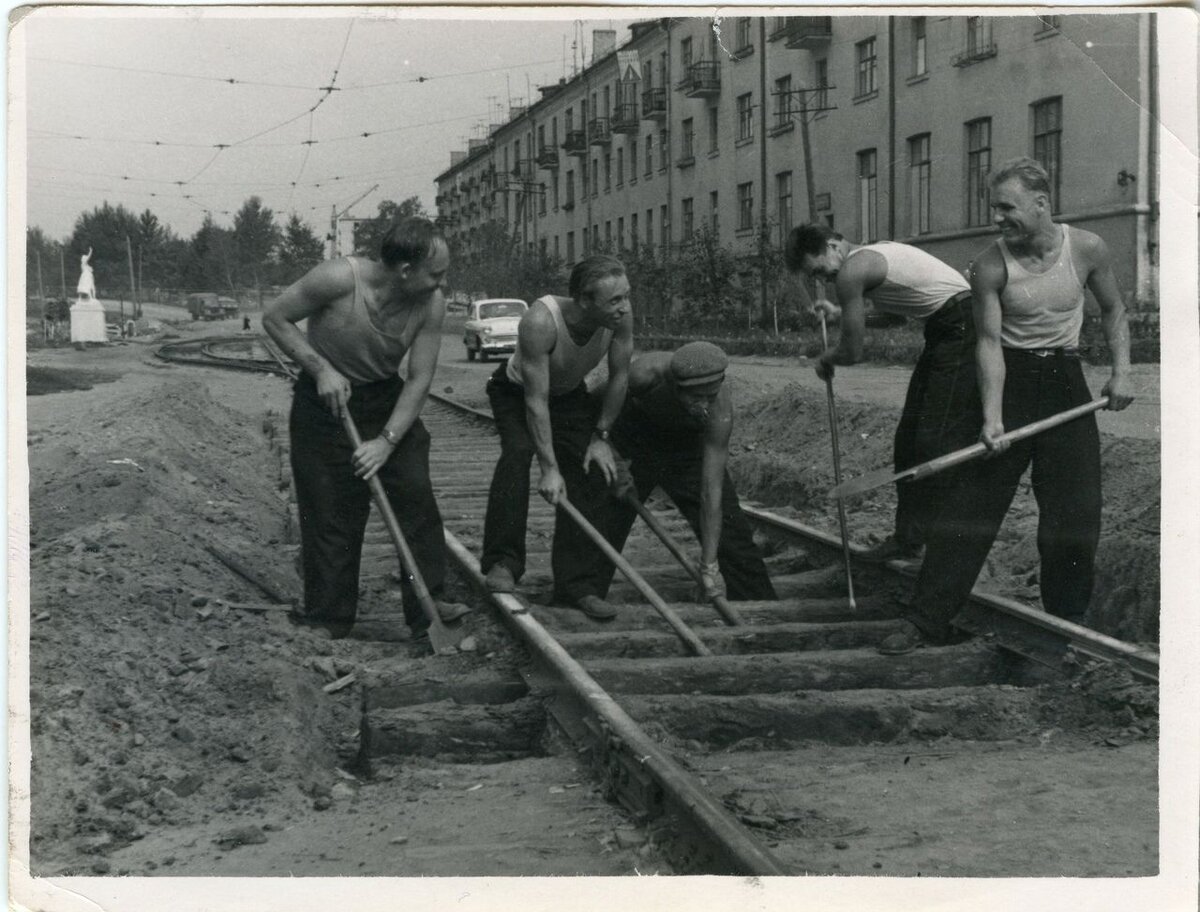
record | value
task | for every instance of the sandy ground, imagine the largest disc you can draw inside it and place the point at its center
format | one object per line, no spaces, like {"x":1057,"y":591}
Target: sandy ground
{"x":173,"y":734}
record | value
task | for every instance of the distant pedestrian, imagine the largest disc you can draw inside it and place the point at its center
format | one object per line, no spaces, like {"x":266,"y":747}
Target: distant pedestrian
{"x":941,"y":408}
{"x":245,"y":324}
{"x":363,"y":317}
{"x":542,"y":408}
{"x":1029,"y":296}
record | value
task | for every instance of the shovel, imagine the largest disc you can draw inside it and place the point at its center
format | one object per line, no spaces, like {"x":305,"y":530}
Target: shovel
{"x":440,"y":636}
{"x":886,"y":475}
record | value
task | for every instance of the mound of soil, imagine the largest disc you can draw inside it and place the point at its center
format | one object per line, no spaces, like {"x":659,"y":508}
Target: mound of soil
{"x":167,"y":704}
{"x":42,"y":380}
{"x":781,"y":455}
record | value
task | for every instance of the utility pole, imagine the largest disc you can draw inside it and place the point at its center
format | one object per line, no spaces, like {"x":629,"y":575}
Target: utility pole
{"x":41,"y":290}
{"x":762,"y":164}
{"x":133,"y":292}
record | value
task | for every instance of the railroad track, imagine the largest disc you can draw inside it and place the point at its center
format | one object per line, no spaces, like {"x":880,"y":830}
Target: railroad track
{"x":692,"y":745}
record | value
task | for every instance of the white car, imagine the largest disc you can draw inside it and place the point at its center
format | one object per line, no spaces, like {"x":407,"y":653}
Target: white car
{"x":491,"y":327}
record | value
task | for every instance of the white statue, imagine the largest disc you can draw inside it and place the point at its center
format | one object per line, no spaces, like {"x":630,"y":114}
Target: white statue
{"x":87,"y":281}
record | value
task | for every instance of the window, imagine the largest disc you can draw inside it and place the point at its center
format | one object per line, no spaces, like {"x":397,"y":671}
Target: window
{"x":649,"y":154}
{"x":979,"y":34}
{"x":664,"y":226}
{"x":664,"y":151}
{"x":714,"y":125}
{"x":608,"y":235}
{"x":621,"y":233}
{"x":685,"y":53}
{"x":620,"y":167}
{"x":919,"y":173}
{"x":541,"y":138}
{"x":570,"y":188}
{"x":585,"y":242}
{"x":569,"y":120}
{"x":687,"y":139}
{"x":714,"y":46}
{"x":554,"y":143}
{"x":649,"y":227}
{"x":541,"y":199}
{"x":687,"y":218}
{"x":783,"y":102}
{"x":714,"y":221}
{"x":570,"y":247}
{"x":633,"y":161}
{"x":648,"y":74}
{"x":865,"y":53}
{"x":1047,"y":143}
{"x":783,"y":198}
{"x":745,"y":194}
{"x":607,"y":100}
{"x":821,"y":78}
{"x":979,"y":162}
{"x":867,"y":202}
{"x":743,"y":33}
{"x":607,"y":172}
{"x":583,"y":180}
{"x":556,"y":253}
{"x":745,"y":117}
{"x":554,"y":190}
{"x":633,"y":231}
{"x":1049,"y":24}
{"x":919,"y":66}
{"x":595,"y":177}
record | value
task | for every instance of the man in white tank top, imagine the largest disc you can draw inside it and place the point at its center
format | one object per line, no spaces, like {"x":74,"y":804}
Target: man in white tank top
{"x":542,"y":409}
{"x":1029,"y":295}
{"x":941,"y":407}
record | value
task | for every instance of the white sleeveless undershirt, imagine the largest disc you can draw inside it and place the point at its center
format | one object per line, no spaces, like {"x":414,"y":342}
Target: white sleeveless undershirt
{"x":569,"y":363}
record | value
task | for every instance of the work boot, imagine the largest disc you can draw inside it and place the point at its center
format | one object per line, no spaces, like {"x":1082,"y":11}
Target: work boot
{"x":451,"y":612}
{"x":903,"y":641}
{"x":500,"y":579}
{"x":891,"y":548}
{"x":329,"y":629}
{"x":596,"y":608}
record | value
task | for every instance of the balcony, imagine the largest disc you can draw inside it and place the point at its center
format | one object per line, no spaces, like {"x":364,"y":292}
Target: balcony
{"x":523,"y":170}
{"x":974,"y":54}
{"x":625,"y":118}
{"x":654,"y":104}
{"x":601,"y":133}
{"x":686,"y":160}
{"x":808,"y":32}
{"x":702,"y":80}
{"x":575,"y":143}
{"x":568,"y":205}
{"x":547,"y":157}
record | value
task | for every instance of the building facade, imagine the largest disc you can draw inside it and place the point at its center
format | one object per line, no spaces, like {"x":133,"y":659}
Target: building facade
{"x":883,"y":127}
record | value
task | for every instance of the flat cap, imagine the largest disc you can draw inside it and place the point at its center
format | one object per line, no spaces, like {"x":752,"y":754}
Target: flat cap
{"x":698,"y":364}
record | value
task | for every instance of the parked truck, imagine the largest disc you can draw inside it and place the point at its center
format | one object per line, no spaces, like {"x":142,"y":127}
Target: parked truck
{"x":210,"y":306}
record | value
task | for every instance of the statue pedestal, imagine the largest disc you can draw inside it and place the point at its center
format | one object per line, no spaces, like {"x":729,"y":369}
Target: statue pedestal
{"x":87,"y":321}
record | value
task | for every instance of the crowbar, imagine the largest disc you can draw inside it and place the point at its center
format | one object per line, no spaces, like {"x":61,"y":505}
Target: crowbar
{"x":837,"y":466}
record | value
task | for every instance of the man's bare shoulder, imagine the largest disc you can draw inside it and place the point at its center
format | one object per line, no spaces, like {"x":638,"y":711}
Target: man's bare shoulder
{"x":1090,"y":245}
{"x":537,"y":328}
{"x":330,"y":279}
{"x":865,"y":269}
{"x":987,"y":269}
{"x":648,"y":369}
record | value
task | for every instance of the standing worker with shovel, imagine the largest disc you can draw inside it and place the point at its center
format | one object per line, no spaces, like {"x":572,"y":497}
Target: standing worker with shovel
{"x":941,"y":408}
{"x":1029,"y":296}
{"x":363,"y":317}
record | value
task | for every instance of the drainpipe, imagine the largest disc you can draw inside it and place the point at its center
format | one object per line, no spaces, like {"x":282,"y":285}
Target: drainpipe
{"x":762,"y":169}
{"x":891,"y":78}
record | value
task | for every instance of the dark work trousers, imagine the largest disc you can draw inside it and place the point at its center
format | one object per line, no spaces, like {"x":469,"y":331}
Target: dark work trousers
{"x":942,"y":413}
{"x":334,"y":504}
{"x":1066,"y":484}
{"x":572,"y":420}
{"x":672,"y":459}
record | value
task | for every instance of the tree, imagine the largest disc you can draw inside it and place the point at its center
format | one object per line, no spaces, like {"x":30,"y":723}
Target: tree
{"x":256,"y":237}
{"x":492,"y":262}
{"x":299,"y":251}
{"x":368,"y":235}
{"x":210,"y":262}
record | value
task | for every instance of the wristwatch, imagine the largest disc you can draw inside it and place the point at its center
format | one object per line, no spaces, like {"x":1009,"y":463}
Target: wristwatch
{"x":389,"y":436}
{"x":602,"y":433}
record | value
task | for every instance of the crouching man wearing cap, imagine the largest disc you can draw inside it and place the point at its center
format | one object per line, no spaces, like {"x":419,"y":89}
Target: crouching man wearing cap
{"x":674,"y":431}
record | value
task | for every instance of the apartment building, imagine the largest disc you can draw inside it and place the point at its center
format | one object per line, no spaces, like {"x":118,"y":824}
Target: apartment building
{"x":883,"y":127}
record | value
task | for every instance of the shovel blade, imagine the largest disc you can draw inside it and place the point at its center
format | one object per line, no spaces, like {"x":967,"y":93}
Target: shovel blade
{"x":442,"y":637}
{"x":863,"y":483}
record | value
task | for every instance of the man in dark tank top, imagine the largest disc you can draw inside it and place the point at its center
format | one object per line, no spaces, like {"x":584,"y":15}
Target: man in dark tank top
{"x":542,"y":408}
{"x":363,"y":316}
{"x":1028,"y":288}
{"x":674,"y":432}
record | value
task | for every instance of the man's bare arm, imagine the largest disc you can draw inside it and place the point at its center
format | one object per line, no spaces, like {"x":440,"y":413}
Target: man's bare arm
{"x":1103,"y":285}
{"x":988,"y":277}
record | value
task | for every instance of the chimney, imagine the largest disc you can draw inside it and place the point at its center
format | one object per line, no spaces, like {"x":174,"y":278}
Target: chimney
{"x":604,"y":42}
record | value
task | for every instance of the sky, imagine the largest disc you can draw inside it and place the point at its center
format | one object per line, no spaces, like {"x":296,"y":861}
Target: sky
{"x":132,"y":106}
